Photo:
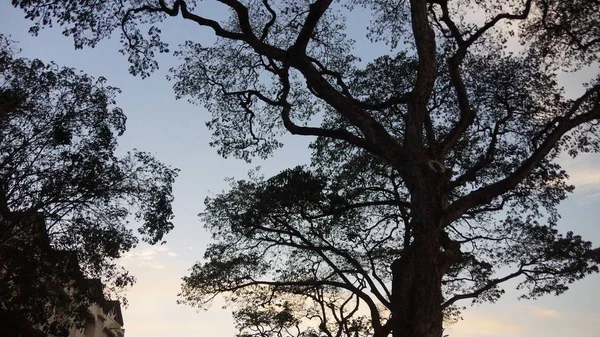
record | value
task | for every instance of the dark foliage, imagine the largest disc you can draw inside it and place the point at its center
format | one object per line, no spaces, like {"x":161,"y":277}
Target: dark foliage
{"x":434,"y":177}
{"x":66,"y":198}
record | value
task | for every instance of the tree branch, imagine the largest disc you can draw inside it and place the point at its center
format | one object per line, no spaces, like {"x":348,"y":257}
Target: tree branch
{"x":504,"y":16}
{"x":426,"y":51}
{"x":317,"y":9}
{"x":180,"y":5}
{"x":485,"y":159}
{"x":486,"y":194}
{"x":467,"y":116}
{"x":270,"y":23}
{"x":483,"y":289}
{"x":346,"y":284}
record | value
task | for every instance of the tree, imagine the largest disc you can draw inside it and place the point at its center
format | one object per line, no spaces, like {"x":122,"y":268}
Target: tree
{"x":66,"y":198}
{"x":434,"y":174}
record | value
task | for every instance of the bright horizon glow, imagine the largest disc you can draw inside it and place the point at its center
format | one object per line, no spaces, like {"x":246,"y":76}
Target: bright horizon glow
{"x":174,"y":132}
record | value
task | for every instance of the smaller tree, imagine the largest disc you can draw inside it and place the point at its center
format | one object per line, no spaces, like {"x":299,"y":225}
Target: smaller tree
{"x":450,"y":128}
{"x":58,"y":169}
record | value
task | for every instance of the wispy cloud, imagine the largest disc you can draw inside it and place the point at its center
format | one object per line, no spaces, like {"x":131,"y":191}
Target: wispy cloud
{"x":545,"y":313}
{"x":148,"y":257}
{"x":153,"y":311}
{"x":584,"y":178}
{"x":583,"y":173}
{"x":476,"y":324}
{"x":587,"y":184}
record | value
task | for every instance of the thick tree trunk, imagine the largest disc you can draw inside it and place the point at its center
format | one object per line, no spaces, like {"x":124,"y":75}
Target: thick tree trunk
{"x":416,"y":292}
{"x":417,"y":275}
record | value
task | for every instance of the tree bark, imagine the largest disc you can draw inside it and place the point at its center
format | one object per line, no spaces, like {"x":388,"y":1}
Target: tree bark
{"x":416,"y":295}
{"x":417,"y":275}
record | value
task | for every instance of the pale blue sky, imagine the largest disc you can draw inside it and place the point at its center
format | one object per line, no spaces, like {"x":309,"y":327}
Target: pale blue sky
{"x":174,"y":132}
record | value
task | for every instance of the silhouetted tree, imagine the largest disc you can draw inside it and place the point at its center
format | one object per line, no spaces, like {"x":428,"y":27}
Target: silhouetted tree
{"x":66,"y":198}
{"x":434,"y":174}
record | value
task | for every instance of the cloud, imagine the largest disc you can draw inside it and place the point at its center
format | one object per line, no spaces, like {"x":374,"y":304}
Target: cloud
{"x":583,"y":178}
{"x":148,"y":253}
{"x":149,"y":256}
{"x":583,"y":175}
{"x":476,"y":324}
{"x":545,"y":313}
{"x":153,"y":311}
{"x":587,"y":185}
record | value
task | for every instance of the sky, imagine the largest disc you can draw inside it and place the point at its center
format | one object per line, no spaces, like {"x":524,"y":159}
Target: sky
{"x":175,"y":133}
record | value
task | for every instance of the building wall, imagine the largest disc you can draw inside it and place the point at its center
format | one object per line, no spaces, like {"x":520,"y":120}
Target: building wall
{"x":105,"y":324}
{"x":108,"y":319}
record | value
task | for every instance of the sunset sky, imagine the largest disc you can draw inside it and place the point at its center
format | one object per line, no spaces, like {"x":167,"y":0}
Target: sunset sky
{"x":174,"y":131}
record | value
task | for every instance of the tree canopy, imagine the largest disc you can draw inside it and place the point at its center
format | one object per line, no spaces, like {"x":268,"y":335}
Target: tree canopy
{"x":434,"y":176}
{"x":66,"y":197}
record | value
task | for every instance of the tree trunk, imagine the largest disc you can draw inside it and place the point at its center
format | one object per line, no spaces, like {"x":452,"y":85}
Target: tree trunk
{"x":416,"y":292}
{"x":417,"y":275}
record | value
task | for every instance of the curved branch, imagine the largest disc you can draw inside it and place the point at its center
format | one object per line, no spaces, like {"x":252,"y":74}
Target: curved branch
{"x":449,"y":23}
{"x":487,"y":193}
{"x":361,"y":271}
{"x":295,"y":129}
{"x":270,"y":23}
{"x":467,"y":116}
{"x":346,"y":284}
{"x":424,"y":38}
{"x":504,"y":16}
{"x":180,"y":5}
{"x":483,"y":289}
{"x":317,"y":9}
{"x":349,"y":207}
{"x":486,"y":158}
{"x":340,"y":134}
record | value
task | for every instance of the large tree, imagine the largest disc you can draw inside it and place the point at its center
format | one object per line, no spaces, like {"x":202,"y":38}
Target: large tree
{"x":66,"y":198}
{"x":434,"y":174}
